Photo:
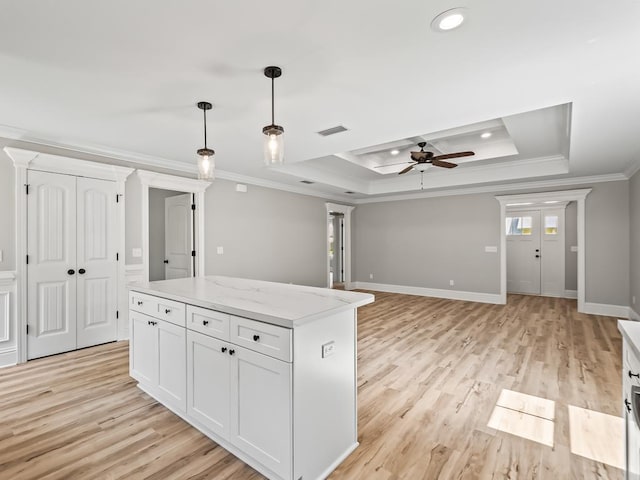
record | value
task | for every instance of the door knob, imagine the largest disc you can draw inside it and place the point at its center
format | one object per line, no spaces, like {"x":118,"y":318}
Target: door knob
{"x":166,"y":261}
{"x":537,"y":256}
{"x":71,"y":271}
{"x":537,"y":249}
{"x":82,"y":271}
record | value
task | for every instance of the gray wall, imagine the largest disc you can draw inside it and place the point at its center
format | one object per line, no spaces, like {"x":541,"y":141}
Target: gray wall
{"x":7,"y":213}
{"x":157,"y":232}
{"x":133,"y":219}
{"x":571,"y":240}
{"x":266,"y":234}
{"x":427,"y":242}
{"x":634,"y":223}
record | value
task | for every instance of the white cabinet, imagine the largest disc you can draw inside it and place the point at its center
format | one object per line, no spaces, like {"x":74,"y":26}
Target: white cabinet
{"x":631,"y":402}
{"x":158,"y":358}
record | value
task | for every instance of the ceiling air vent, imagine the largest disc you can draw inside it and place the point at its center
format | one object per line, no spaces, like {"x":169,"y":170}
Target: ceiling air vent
{"x":332,"y":131}
{"x":350,"y":192}
{"x":308,"y":182}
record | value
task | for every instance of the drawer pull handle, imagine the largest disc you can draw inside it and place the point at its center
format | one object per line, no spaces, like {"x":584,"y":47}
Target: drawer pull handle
{"x":151,"y":322}
{"x":256,"y":338}
{"x":232,"y":352}
{"x":223,"y":349}
{"x":139,"y":303}
{"x":205,"y":322}
{"x":167,"y":311}
{"x":627,"y":404}
{"x":631,"y":375}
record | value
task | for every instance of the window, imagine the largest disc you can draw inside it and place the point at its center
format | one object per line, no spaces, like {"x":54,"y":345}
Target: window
{"x":518,"y":226}
{"x":550,"y":224}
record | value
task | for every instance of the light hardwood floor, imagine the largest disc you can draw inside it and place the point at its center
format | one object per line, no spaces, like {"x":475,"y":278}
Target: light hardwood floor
{"x":430,"y":374}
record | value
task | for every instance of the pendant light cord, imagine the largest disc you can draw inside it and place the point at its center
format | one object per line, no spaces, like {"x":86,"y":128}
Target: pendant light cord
{"x":204,"y":111}
{"x":273,"y":122}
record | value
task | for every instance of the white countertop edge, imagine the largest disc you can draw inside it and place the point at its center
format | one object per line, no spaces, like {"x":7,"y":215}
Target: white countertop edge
{"x":630,"y":330}
{"x":274,"y":320}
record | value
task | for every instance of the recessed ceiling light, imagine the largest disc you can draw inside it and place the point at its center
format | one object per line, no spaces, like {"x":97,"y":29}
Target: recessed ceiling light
{"x":394,"y":152}
{"x":486,"y":135}
{"x":448,"y":20}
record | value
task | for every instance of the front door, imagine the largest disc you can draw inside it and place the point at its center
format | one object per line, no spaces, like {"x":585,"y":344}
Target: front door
{"x":178,"y":224}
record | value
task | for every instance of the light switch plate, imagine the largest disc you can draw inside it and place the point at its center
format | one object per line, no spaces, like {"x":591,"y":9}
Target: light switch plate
{"x":574,"y":249}
{"x":241,"y":187}
{"x":220,"y":250}
{"x":0,"y":255}
{"x":136,"y":252}
{"x":328,"y":349}
{"x":491,"y":249}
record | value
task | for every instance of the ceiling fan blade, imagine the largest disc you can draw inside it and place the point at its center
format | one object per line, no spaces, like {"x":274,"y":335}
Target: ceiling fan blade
{"x":405,"y":170}
{"x":453,"y":155}
{"x":391,"y":164}
{"x":440,"y":163}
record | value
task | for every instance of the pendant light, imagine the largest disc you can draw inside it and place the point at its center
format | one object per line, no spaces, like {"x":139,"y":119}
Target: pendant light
{"x":274,"y":134}
{"x":206,"y":162}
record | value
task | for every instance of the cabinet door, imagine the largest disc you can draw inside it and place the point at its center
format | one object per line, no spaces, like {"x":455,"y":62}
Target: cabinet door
{"x":172,"y":370}
{"x":143,"y":349}
{"x":208,"y":382}
{"x":261,"y":412}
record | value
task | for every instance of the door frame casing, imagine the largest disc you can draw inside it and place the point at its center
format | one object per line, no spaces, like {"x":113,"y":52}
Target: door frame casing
{"x":346,"y":259}
{"x":150,"y":179}
{"x":24,"y":160}
{"x":579,"y":196}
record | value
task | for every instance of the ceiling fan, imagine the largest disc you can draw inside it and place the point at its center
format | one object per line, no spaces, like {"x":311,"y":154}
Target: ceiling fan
{"x":422,"y":159}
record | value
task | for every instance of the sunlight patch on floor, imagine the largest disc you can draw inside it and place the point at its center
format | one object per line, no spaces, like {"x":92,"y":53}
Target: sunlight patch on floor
{"x":597,"y":436}
{"x":522,"y":424}
{"x":521,"y":402}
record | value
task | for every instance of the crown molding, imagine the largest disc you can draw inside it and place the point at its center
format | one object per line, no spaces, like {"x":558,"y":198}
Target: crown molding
{"x":511,"y":187}
{"x":632,"y":169}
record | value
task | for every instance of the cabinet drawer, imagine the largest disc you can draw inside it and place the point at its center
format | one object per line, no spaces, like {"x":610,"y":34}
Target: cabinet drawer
{"x":173,"y":312}
{"x":262,"y":337}
{"x":209,"y":322}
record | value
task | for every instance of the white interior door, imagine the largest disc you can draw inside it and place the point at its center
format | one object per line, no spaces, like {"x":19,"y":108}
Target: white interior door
{"x":178,"y":225}
{"x":552,"y":233}
{"x":51,"y":268}
{"x":96,"y":262}
{"x":523,"y":252}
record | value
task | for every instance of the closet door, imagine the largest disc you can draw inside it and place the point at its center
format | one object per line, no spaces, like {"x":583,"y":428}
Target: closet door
{"x":96,"y":261}
{"x":51,"y":269}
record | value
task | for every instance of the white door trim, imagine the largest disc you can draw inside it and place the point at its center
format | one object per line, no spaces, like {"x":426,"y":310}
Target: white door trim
{"x":180,"y":184}
{"x":346,"y":211}
{"x":579,"y":196}
{"x":34,"y":160}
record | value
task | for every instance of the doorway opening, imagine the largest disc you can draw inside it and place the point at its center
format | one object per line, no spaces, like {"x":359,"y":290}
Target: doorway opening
{"x":532,"y":201}
{"x":336,"y":250}
{"x":171,"y":234}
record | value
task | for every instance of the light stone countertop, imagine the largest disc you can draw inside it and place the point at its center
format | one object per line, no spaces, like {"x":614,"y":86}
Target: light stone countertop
{"x":630,"y":331}
{"x":276,"y":303}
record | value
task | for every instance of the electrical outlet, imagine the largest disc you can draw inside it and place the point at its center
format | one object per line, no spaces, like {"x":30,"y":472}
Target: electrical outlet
{"x":0,"y":255}
{"x":328,"y":349}
{"x":220,"y":250}
{"x":136,"y":252}
{"x":241,"y":187}
{"x":633,"y":299}
{"x":371,"y":276}
{"x":451,"y":283}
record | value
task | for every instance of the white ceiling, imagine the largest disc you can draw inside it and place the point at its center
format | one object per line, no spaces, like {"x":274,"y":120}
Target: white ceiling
{"x":122,"y":78}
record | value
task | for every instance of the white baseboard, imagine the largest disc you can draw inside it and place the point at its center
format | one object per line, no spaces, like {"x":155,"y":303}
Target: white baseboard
{"x":8,"y":358}
{"x":430,"y":292}
{"x":618,"y":311}
{"x":571,"y":294}
{"x":633,"y":315}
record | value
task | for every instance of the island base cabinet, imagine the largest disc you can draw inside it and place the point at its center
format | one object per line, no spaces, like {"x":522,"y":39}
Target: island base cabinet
{"x":208,"y":373}
{"x":242,"y":396}
{"x":261,"y":409}
{"x":158,"y":358}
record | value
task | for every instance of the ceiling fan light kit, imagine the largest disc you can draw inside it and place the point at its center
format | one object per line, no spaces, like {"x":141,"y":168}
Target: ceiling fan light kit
{"x":206,"y":162}
{"x":274,"y":134}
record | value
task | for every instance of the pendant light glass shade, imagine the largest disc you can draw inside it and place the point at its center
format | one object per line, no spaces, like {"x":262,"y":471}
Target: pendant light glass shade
{"x":206,"y":162}
{"x":273,"y":134}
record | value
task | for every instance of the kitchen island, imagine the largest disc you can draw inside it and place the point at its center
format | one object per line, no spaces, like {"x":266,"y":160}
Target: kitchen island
{"x":266,"y":370}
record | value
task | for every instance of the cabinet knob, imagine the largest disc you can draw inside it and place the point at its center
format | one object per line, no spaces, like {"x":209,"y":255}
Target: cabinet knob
{"x":82,"y":271}
{"x":223,"y":349}
{"x":149,"y":322}
{"x":256,"y":338}
{"x":139,"y":303}
{"x":627,"y":404}
{"x":166,"y":261}
{"x":167,"y":311}
{"x":631,"y":375}
{"x":537,"y":256}
{"x":205,"y":322}
{"x":71,"y":271}
{"x":232,"y":352}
